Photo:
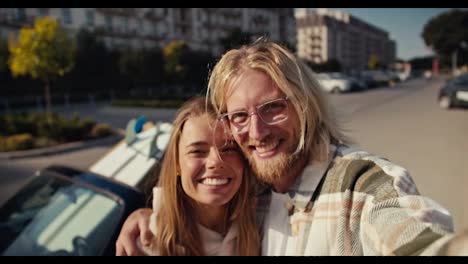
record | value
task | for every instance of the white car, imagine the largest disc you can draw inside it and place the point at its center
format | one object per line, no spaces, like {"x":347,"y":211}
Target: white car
{"x":334,"y":84}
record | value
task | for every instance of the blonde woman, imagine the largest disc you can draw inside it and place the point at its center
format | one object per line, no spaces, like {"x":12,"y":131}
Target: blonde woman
{"x":202,"y":205}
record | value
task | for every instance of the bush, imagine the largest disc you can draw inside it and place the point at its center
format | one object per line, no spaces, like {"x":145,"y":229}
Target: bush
{"x":16,"y":142}
{"x":25,"y":131}
{"x":100,"y":130}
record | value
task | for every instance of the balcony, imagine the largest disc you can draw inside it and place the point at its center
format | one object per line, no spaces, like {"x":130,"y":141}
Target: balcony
{"x":260,"y":21}
{"x":155,"y":37}
{"x":128,"y":12}
{"x":116,"y":32}
{"x":210,"y":10}
{"x":154,"y":16}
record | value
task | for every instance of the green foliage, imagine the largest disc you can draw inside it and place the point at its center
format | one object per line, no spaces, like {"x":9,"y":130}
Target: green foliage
{"x":100,"y":130}
{"x":421,"y":63}
{"x":153,"y":65}
{"x":131,"y":62}
{"x":173,"y":53}
{"x":235,"y":39}
{"x":3,"y":54}
{"x":197,"y":65}
{"x":93,"y":63}
{"x":16,"y":142}
{"x":142,"y":67}
{"x":445,"y":33}
{"x":43,"y":52}
{"x":373,"y":62}
{"x":46,"y":130}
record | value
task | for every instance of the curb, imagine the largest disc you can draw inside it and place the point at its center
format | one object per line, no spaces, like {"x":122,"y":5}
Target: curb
{"x":67,"y":147}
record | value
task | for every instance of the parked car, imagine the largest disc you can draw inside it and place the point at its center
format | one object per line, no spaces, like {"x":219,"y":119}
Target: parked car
{"x":454,"y":93}
{"x":63,"y":211}
{"x":367,"y":81}
{"x":356,"y":84}
{"x":334,"y":85}
{"x":379,"y":78}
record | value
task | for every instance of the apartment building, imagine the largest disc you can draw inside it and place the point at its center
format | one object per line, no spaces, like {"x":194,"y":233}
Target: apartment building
{"x":323,"y":35}
{"x":200,"y":28}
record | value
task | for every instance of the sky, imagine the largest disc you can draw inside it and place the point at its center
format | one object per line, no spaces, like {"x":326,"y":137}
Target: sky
{"x":404,"y":25}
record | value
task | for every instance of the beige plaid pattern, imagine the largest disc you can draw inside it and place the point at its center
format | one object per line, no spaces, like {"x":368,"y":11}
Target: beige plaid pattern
{"x":366,"y":206}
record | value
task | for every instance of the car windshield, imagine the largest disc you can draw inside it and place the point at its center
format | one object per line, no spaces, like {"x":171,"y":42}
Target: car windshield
{"x":461,"y":80}
{"x":55,"y":216}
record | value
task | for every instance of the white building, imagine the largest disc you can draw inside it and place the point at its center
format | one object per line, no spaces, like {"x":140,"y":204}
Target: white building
{"x":200,"y":28}
{"x":323,"y":35}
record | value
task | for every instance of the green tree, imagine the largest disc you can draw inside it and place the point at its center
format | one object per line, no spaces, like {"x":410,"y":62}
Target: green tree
{"x":373,"y":63}
{"x":173,"y":52}
{"x":96,"y":67}
{"x":3,"y":54}
{"x":446,"y":32}
{"x":421,"y":63}
{"x":44,"y":52}
{"x":153,"y":69}
{"x":198,"y":65}
{"x":131,"y":64}
{"x":235,"y":39}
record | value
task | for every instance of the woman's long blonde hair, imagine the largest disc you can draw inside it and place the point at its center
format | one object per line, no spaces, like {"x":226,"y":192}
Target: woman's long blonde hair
{"x":318,"y":125}
{"x":177,"y":231}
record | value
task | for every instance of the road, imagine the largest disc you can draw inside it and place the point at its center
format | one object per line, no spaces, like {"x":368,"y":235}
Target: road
{"x":405,"y":124}
{"x":402,"y":123}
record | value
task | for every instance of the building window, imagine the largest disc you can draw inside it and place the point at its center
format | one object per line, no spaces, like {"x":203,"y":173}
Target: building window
{"x":89,"y":17}
{"x":141,"y":26}
{"x":43,"y":11}
{"x":66,"y":14}
{"x":21,"y":14}
{"x":109,"y":22}
{"x":125,"y":24}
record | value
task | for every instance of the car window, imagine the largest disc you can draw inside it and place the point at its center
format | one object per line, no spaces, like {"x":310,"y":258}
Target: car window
{"x":461,"y":80}
{"x":54,"y":216}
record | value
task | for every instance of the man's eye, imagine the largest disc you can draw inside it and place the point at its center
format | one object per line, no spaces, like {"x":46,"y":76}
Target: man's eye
{"x":238,"y":117}
{"x":274,"y":107}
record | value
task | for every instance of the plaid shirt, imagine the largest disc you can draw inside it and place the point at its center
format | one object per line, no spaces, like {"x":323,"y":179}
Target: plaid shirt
{"x":365,"y":205}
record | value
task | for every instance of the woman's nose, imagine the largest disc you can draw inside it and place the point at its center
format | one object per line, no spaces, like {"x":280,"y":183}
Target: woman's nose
{"x":214,"y":160}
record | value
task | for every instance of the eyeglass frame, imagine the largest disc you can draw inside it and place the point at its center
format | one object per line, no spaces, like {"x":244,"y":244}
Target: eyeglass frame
{"x":255,"y":111}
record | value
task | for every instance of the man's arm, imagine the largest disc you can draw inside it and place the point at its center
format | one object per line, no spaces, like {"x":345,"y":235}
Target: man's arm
{"x":137,"y":224}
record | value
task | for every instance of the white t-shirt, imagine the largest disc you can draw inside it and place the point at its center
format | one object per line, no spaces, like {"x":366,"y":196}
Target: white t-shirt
{"x":214,"y":243}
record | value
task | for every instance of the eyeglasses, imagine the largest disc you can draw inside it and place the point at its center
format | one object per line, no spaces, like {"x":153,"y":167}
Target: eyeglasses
{"x":271,"y":112}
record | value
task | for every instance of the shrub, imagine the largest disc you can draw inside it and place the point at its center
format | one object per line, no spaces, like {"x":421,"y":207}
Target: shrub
{"x":25,"y":131}
{"x":100,"y":130}
{"x":16,"y":142}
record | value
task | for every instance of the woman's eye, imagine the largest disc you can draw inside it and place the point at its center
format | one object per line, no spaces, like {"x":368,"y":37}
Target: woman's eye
{"x":197,"y":151}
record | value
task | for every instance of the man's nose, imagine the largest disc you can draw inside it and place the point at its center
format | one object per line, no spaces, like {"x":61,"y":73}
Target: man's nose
{"x":258,"y":130}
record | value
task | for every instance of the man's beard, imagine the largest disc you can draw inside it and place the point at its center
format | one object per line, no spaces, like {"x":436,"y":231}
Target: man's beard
{"x":273,"y":169}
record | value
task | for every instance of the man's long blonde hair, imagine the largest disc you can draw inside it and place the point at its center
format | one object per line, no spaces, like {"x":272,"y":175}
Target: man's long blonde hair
{"x":176,"y":223}
{"x":318,"y":124}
